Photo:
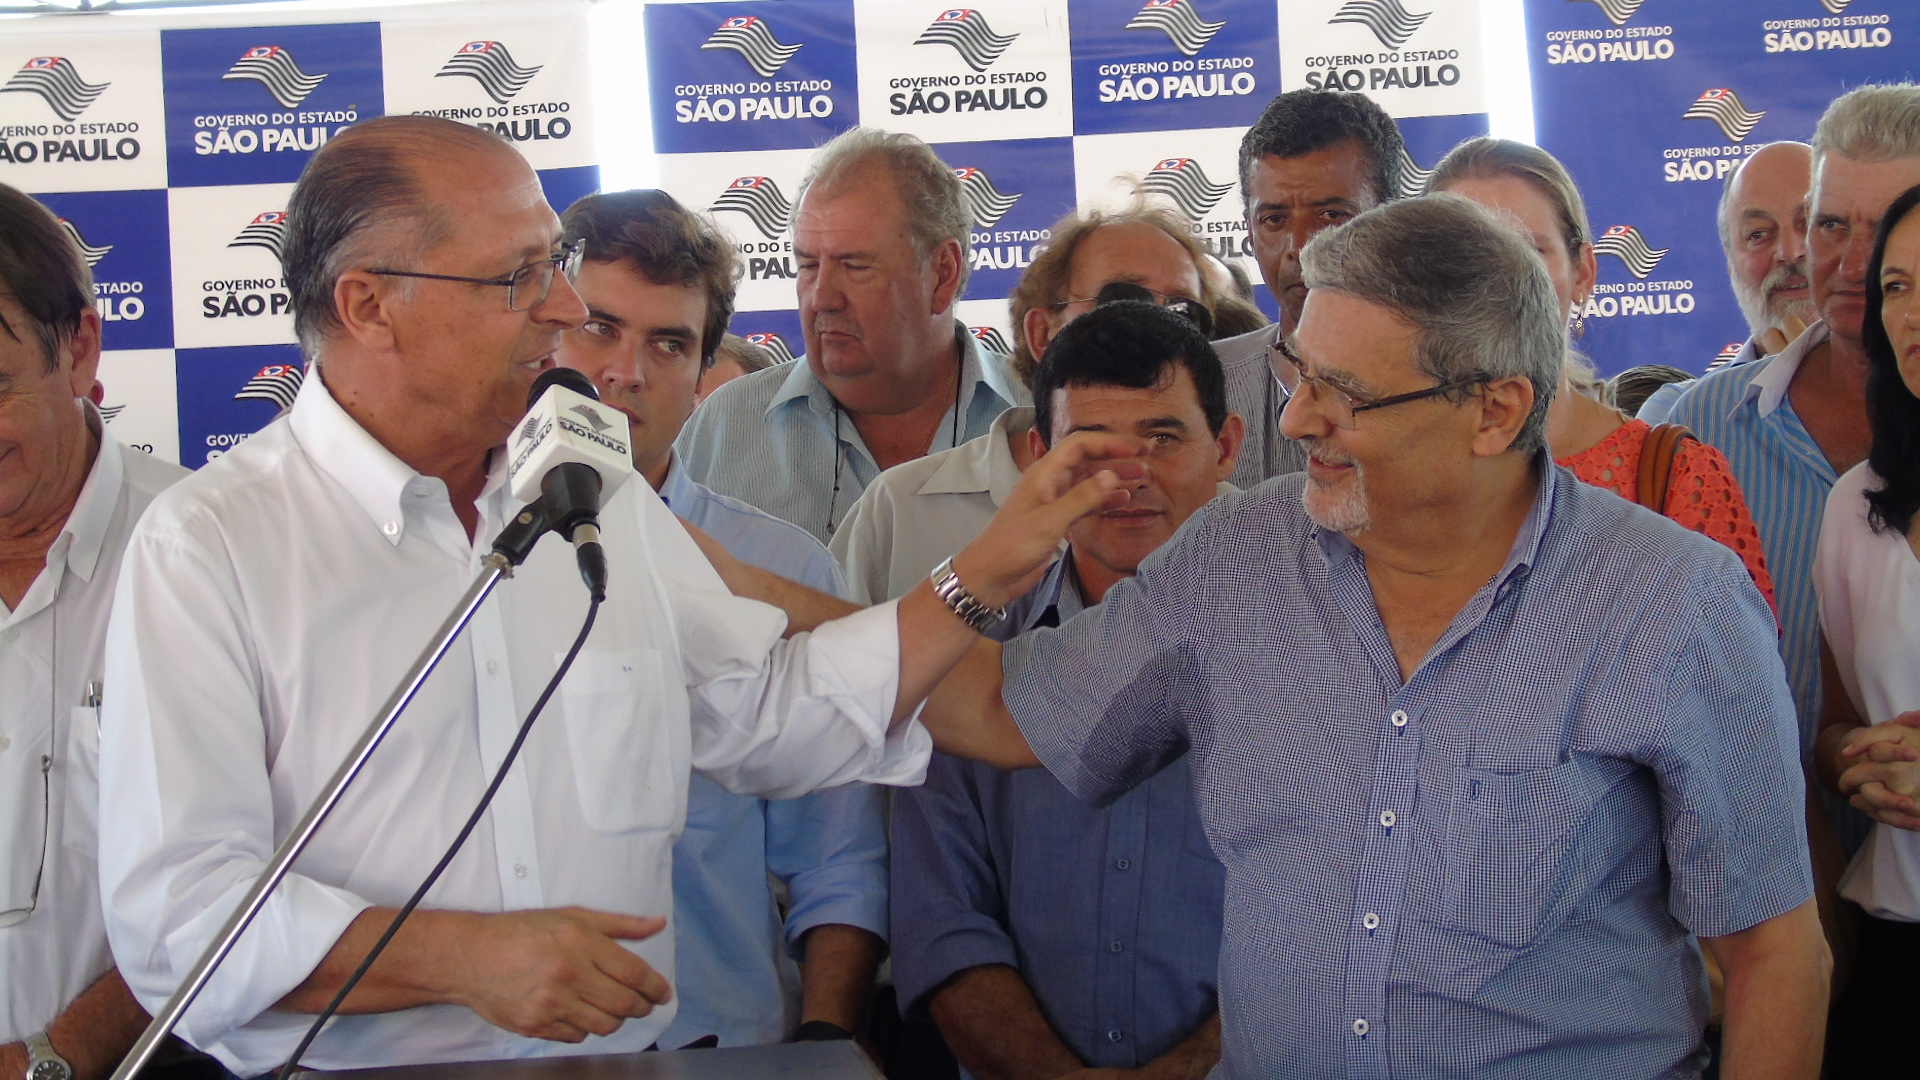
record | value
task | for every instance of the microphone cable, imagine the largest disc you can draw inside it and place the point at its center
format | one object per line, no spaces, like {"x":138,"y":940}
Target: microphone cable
{"x":473,"y":820}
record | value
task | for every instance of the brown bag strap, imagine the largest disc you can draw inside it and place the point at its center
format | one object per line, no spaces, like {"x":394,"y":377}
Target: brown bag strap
{"x":1656,"y":464}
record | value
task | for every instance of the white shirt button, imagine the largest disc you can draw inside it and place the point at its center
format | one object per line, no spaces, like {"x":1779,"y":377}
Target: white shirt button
{"x":391,"y":528}
{"x":520,"y":870}
{"x":493,"y":667}
{"x":1399,"y":718}
{"x":1387,"y":818}
{"x":1360,"y":1027}
{"x":1371,"y":921}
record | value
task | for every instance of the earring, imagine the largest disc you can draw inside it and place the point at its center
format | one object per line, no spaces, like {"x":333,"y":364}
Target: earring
{"x":1576,"y":325}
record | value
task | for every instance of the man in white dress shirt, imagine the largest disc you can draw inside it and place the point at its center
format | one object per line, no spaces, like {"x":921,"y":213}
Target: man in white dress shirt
{"x":69,"y":495}
{"x":271,"y":601}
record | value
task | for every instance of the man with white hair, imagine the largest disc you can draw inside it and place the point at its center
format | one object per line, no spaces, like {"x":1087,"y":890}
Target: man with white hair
{"x":1763,"y":230}
{"x":1792,"y":422}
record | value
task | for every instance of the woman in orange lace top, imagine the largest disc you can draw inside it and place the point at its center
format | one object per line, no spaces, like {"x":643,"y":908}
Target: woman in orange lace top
{"x":1600,"y":444}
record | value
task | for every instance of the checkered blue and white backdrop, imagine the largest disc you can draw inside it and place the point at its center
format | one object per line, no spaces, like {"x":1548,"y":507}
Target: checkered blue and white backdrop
{"x":170,"y":143}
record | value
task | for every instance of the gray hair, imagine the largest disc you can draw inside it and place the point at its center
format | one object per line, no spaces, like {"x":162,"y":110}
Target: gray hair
{"x":1478,"y":294}
{"x":935,"y":204}
{"x":749,"y":356}
{"x":1726,"y":193}
{"x":360,"y":200}
{"x":1869,"y":124}
{"x":42,"y":268}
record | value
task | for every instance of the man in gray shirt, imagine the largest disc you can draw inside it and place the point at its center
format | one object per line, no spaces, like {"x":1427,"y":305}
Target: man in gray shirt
{"x":1314,"y":159}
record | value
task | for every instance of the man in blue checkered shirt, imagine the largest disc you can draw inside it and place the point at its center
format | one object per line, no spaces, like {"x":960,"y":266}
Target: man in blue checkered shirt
{"x":1486,"y":752}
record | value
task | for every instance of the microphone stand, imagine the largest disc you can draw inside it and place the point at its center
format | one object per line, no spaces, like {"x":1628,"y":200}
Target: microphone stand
{"x":510,"y":549}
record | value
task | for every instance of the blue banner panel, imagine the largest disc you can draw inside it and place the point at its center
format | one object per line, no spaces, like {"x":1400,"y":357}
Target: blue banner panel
{"x":778,"y":332}
{"x":124,"y":236}
{"x":1428,"y":138}
{"x":1170,"y":64}
{"x":564,"y":187}
{"x":250,"y":105}
{"x":1014,"y":191}
{"x":752,"y":76}
{"x":1652,"y":105}
{"x":225,"y":395}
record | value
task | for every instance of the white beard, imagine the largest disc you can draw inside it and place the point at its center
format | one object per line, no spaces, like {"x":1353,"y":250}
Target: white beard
{"x":1342,"y":509}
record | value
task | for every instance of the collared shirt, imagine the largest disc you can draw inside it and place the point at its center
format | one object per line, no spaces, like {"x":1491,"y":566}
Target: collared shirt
{"x":50,"y":656}
{"x":1254,"y":393}
{"x":777,"y":440}
{"x":1491,"y":869}
{"x":1111,"y":916}
{"x":270,"y":603}
{"x":734,"y":970}
{"x":920,"y":512}
{"x":1745,"y":413}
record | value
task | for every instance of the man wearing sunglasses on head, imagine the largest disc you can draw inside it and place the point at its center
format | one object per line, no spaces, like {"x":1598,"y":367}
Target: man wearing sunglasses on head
{"x":69,"y":495}
{"x":271,"y":602}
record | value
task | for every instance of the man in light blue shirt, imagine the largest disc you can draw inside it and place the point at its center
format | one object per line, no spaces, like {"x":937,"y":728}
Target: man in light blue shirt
{"x":658,"y":285}
{"x":1792,"y":422}
{"x":881,"y":235}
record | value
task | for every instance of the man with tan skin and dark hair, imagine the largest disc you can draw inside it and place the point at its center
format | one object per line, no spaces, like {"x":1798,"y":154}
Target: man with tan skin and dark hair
{"x":1313,"y":160}
{"x":1045,"y":936}
{"x":69,"y":495}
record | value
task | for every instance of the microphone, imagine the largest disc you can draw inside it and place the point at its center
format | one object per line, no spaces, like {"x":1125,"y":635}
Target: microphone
{"x":570,"y":453}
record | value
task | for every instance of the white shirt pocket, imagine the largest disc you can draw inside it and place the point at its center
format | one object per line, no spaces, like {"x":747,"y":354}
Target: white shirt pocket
{"x":81,"y":831}
{"x":619,"y":734}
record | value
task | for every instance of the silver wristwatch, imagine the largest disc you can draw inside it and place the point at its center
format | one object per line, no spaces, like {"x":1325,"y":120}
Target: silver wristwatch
{"x":43,"y":1062}
{"x":946,"y":585}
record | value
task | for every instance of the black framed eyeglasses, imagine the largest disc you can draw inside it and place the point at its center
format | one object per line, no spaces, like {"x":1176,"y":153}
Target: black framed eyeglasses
{"x":527,"y":287}
{"x":1196,"y":312}
{"x":1341,"y":408}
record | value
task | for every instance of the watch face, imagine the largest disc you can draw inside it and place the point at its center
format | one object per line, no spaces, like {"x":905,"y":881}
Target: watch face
{"x":49,"y":1070}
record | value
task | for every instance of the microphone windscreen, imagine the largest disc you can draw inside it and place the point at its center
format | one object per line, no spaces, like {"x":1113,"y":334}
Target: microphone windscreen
{"x":567,"y":422}
{"x":562,"y":376}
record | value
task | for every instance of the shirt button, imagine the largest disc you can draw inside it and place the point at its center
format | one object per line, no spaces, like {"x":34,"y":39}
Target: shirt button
{"x":1122,"y":864}
{"x":493,"y":667}
{"x":1399,"y":718}
{"x":391,"y":528}
{"x":1387,"y":818}
{"x":1114,"y":1035}
{"x":1114,"y":946}
{"x":1371,"y":921}
{"x":1360,"y":1027}
{"x":519,"y":870}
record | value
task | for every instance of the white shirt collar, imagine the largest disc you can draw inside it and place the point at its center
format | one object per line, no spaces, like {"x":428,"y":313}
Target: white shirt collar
{"x":354,"y":459}
{"x":86,"y":528}
{"x":1769,"y":387}
{"x":985,"y":464}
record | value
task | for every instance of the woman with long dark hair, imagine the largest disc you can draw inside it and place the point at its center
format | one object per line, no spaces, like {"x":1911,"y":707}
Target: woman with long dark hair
{"x":1868,"y":577}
